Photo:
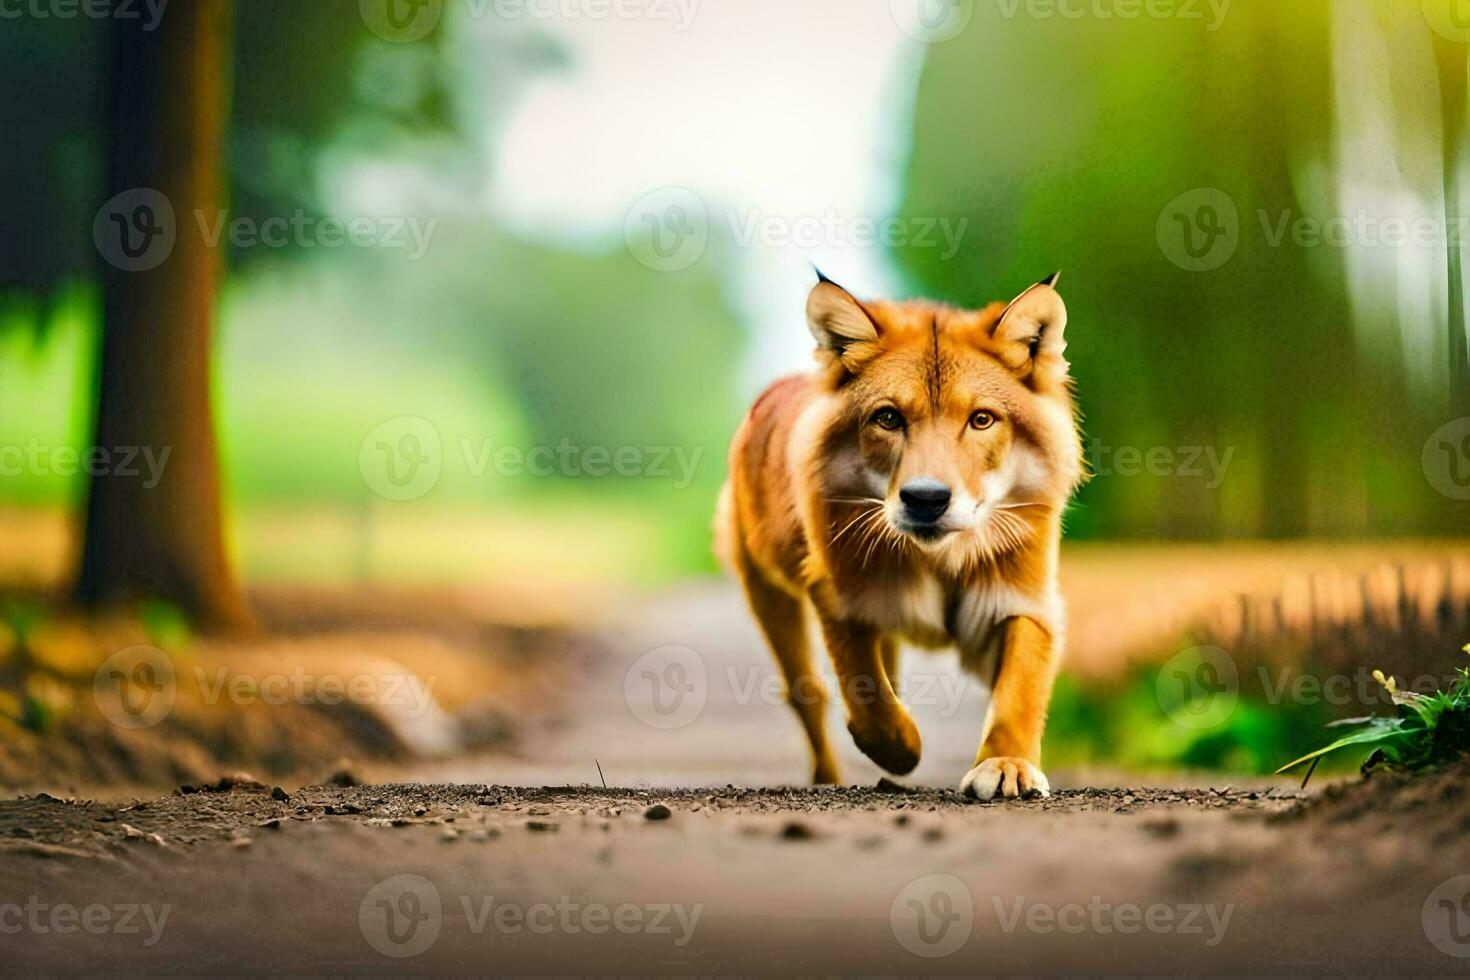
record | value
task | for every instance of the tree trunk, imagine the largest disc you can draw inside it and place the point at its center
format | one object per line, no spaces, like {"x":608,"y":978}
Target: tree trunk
{"x":168,"y":110}
{"x":1450,"y":57}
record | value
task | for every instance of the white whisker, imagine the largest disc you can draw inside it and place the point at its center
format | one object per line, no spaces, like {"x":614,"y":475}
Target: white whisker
{"x":850,"y":524}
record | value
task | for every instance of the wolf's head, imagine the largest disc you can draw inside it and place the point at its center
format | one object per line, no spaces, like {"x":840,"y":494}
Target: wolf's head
{"x":959,"y":423}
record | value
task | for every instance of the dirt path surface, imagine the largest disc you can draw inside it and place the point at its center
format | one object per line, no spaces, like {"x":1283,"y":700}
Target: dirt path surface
{"x":480,"y":867}
{"x":685,"y":693}
{"x":432,"y":878}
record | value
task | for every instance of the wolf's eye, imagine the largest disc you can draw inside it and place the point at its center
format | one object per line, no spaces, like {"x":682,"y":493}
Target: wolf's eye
{"x":982,"y":420}
{"x":888,"y":418}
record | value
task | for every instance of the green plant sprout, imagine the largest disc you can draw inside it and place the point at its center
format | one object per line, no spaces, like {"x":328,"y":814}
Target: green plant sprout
{"x":1429,"y":730}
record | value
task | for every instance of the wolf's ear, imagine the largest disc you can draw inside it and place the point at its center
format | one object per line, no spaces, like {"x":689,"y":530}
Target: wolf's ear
{"x":1032,"y":330}
{"x":839,"y":323}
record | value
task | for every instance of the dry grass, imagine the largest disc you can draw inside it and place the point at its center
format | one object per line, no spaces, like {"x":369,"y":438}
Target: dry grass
{"x":1130,"y":603}
{"x":1406,"y":616}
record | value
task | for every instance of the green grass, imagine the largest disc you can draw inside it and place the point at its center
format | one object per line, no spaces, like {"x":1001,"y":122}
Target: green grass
{"x":1429,"y":730}
{"x":1131,"y":724}
{"x":1126,"y":724}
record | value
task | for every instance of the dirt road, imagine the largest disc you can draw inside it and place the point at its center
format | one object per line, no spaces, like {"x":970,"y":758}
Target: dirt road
{"x":685,"y":694}
{"x":477,"y":867}
{"x":496,"y":879}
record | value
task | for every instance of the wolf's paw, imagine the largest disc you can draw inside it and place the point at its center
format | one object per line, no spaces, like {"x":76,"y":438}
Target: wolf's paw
{"x":1004,"y":776}
{"x":892,"y":741}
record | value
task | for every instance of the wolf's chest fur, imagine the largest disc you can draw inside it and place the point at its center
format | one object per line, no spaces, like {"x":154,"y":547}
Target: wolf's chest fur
{"x":931,"y":611}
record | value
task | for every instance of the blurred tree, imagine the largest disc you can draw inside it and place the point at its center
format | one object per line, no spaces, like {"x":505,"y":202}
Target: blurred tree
{"x":1181,"y":172}
{"x":1450,"y":59}
{"x":125,"y":105}
{"x":54,"y":105}
{"x":313,"y":80}
{"x":167,"y":117}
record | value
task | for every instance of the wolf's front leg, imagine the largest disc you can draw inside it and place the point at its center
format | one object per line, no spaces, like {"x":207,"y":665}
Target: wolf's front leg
{"x":878,"y":722}
{"x":1009,"y":762}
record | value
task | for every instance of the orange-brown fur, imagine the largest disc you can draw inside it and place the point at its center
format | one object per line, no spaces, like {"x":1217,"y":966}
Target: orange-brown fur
{"x":811,"y":515}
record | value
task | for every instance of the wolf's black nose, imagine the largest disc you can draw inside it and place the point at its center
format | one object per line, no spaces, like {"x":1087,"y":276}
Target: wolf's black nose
{"x":925,"y":499}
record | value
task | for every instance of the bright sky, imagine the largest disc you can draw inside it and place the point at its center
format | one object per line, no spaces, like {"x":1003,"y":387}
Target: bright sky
{"x":774,"y":110}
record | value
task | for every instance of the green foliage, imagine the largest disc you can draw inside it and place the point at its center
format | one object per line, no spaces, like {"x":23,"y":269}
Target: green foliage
{"x":36,"y":715}
{"x":51,"y":69}
{"x":305,"y":75}
{"x":21,"y":616}
{"x":26,"y":705}
{"x":1065,"y":143}
{"x":1429,"y":730}
{"x":165,"y":625}
{"x":1138,"y":722}
{"x":1132,"y":724}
